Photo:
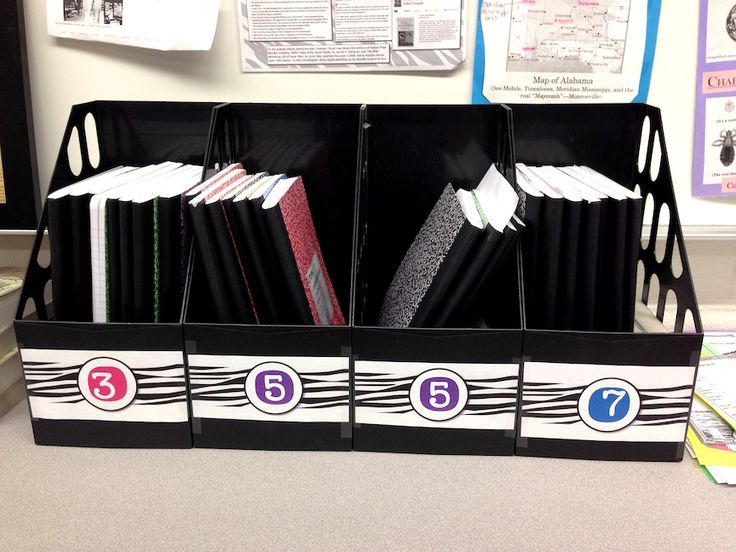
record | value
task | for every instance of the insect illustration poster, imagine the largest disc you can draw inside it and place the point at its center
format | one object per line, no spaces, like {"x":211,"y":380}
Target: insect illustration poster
{"x":714,"y":168}
{"x":564,"y":51}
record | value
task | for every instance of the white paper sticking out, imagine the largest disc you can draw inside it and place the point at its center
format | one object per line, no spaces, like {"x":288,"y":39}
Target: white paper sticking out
{"x":155,"y":24}
{"x":498,"y":198}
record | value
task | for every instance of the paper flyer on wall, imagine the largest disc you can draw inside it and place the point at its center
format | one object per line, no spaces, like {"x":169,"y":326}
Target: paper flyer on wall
{"x":714,"y":170}
{"x":155,"y":24}
{"x":562,"y":51}
{"x":352,"y":35}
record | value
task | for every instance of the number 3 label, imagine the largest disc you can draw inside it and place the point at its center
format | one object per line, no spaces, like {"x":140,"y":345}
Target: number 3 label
{"x":438,"y":395}
{"x":609,"y":404}
{"x":273,"y":388}
{"x":107,"y":384}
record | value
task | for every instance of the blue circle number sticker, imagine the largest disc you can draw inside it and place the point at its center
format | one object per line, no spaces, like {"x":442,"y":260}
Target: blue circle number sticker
{"x":438,"y":395}
{"x":609,"y":404}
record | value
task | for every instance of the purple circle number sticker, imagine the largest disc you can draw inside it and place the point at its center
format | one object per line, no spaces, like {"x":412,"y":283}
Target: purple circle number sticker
{"x":438,"y":395}
{"x":273,"y":388}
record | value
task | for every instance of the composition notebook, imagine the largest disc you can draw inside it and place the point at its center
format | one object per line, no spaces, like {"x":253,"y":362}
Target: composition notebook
{"x":266,"y":281}
{"x":449,"y":257}
{"x":229,"y":307}
{"x":496,"y":202}
{"x":113,"y":244}
{"x":290,"y":229}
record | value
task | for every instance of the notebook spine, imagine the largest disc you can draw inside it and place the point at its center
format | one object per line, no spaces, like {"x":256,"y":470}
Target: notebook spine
{"x":246,"y":237}
{"x":210,"y":264}
{"x":112,"y":266}
{"x":633,"y":240}
{"x":82,"y":257}
{"x":437,"y":292}
{"x":62,"y":270}
{"x":281,"y":246}
{"x":142,"y":226}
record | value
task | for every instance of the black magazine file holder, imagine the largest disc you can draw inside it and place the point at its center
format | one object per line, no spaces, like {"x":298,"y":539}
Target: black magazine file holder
{"x":222,"y":356}
{"x":55,"y":352}
{"x":564,"y":369}
{"x":410,"y":153}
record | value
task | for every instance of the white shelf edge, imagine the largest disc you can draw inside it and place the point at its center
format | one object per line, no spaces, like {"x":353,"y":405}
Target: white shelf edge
{"x":707,"y":233}
{"x":19,"y":232}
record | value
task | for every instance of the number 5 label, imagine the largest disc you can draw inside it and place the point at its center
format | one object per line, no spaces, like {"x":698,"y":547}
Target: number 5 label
{"x":438,"y":395}
{"x":273,"y":388}
{"x":609,"y":404}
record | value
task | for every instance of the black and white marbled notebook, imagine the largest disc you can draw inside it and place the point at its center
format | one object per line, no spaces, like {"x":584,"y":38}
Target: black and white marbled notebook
{"x":427,"y":269}
{"x":448,"y":260}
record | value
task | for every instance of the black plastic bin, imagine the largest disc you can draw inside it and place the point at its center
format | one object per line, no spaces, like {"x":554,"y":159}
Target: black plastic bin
{"x":153,"y":410}
{"x":410,"y":153}
{"x":564,"y":371}
{"x":315,"y":360}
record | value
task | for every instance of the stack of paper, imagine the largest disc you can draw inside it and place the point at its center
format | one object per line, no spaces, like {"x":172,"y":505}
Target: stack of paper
{"x":711,"y":435}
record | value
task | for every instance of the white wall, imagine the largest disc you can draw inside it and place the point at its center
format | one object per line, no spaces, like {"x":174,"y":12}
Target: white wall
{"x":65,"y":72}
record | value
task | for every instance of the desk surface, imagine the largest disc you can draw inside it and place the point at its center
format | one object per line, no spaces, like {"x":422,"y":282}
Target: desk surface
{"x":81,"y":499}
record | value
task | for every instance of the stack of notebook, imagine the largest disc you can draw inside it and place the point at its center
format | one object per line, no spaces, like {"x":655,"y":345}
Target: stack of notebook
{"x":260,"y":251}
{"x":118,"y":249}
{"x":580,"y":249}
{"x":464,"y":240}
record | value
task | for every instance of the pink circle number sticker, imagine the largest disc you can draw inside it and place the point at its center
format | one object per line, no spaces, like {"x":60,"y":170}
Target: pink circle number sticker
{"x":107,"y":384}
{"x":273,"y":388}
{"x":438,"y":395}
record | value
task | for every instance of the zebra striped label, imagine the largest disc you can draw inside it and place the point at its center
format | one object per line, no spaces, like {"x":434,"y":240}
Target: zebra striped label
{"x":431,"y":394}
{"x":257,"y":388}
{"x":594,"y":402}
{"x":120,"y":386}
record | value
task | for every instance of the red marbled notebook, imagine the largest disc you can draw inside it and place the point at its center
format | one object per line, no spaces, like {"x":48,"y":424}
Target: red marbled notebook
{"x":291,"y":229}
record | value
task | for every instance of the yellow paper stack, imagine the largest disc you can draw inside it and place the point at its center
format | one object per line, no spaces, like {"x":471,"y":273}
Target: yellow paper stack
{"x":711,"y":434}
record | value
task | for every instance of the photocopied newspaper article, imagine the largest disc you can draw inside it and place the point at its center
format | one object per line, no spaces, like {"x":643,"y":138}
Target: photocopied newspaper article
{"x":155,"y":24}
{"x":352,"y":35}
{"x":560,"y":51}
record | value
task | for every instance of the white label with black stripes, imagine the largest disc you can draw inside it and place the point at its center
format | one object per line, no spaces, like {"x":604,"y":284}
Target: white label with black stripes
{"x":436,"y":394}
{"x":260,"y":388}
{"x":121,"y":386}
{"x":595,"y":402}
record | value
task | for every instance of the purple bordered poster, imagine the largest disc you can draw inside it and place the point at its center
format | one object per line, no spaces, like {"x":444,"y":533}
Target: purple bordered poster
{"x":714,"y":168}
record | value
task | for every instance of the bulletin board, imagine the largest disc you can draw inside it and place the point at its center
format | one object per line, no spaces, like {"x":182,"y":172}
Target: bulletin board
{"x":65,"y":72}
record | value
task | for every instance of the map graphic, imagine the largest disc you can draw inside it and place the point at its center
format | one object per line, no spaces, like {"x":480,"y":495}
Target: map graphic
{"x":568,"y":36}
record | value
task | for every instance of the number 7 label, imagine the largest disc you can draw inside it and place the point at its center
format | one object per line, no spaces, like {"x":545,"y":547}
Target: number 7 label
{"x":609,"y":404}
{"x":619,"y":394}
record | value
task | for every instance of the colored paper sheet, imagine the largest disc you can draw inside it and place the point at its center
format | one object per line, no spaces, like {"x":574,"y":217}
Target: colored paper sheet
{"x":710,"y":456}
